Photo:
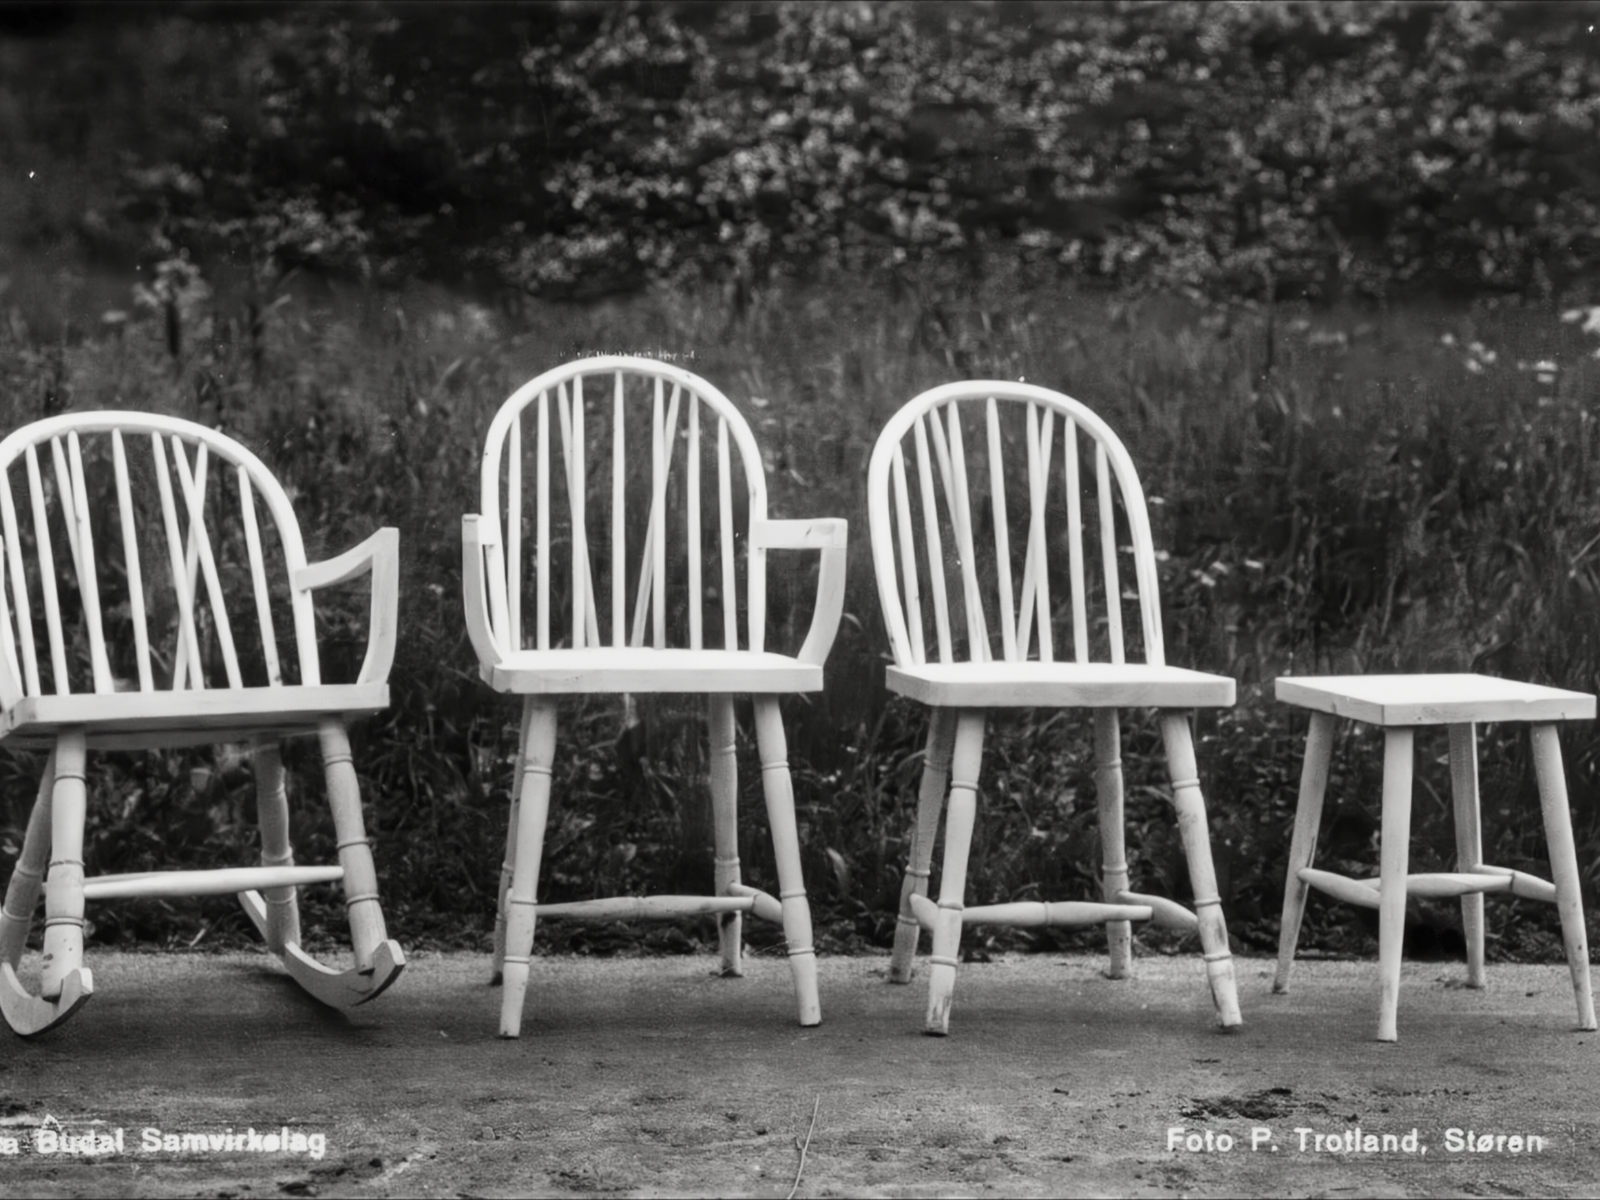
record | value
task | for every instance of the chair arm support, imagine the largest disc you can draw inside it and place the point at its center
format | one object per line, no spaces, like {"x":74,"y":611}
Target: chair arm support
{"x":379,"y":554}
{"x":829,"y":535}
{"x":477,"y":590}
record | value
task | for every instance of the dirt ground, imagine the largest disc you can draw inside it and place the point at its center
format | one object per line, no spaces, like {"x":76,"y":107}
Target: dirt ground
{"x":653,"y":1077}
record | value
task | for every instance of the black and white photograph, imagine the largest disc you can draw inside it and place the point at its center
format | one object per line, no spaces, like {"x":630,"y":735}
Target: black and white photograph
{"x":799,"y":598}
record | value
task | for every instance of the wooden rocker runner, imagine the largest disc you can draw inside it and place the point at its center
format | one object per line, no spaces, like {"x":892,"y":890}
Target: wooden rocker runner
{"x":684,"y":554}
{"x":120,"y":531}
{"x":991,"y":601}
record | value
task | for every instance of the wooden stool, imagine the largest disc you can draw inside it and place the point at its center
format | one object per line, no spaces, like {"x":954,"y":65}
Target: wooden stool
{"x":1401,"y":703}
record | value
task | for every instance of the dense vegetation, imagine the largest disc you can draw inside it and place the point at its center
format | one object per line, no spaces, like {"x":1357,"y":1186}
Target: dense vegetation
{"x":1311,"y":260}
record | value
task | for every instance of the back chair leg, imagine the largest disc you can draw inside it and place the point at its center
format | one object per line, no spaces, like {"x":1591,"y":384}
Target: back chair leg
{"x":1303,"y":847}
{"x":966,"y":763}
{"x":1563,"y":864}
{"x":272,"y":807}
{"x":724,"y":813}
{"x":1394,"y":863}
{"x":1469,"y":841}
{"x":1195,"y":834}
{"x":779,"y":791}
{"x":930,"y":802}
{"x":50,"y":838}
{"x":27,"y":878}
{"x":1113,"y":834}
{"x":533,"y":811}
{"x":507,"y":864}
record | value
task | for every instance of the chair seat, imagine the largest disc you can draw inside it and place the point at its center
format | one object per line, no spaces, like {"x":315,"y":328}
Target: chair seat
{"x":642,"y":670}
{"x":141,"y":720}
{"x":1433,"y":699}
{"x":1059,"y":685}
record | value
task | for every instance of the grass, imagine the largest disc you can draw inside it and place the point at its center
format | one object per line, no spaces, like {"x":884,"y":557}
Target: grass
{"x":1337,"y":491}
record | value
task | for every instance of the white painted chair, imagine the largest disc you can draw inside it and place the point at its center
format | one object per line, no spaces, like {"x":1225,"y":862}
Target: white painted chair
{"x":1399,"y":705}
{"x":138,"y":582}
{"x":992,"y":601}
{"x":632,"y":557}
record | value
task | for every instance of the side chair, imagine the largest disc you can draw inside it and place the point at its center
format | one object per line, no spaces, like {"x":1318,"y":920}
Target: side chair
{"x":146,"y":565}
{"x":986,"y":570}
{"x":606,"y":557}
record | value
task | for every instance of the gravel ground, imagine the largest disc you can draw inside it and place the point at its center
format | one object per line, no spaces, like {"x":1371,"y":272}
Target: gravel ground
{"x":653,"y":1077}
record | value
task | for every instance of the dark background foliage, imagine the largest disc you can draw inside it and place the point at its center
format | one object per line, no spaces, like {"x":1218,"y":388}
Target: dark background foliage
{"x":1312,"y":260}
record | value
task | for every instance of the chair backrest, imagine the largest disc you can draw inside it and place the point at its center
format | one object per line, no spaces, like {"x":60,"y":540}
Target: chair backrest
{"x":135,"y":559}
{"x":971,"y":551}
{"x":615,"y":531}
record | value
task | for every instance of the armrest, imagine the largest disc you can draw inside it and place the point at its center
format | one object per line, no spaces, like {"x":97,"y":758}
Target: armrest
{"x":477,"y":591}
{"x":379,"y":554}
{"x":829,"y":535}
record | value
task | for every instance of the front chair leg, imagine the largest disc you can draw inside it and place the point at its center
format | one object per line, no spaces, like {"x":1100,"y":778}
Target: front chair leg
{"x":779,"y":791}
{"x":1190,"y":805}
{"x":63,"y":889}
{"x":533,"y":810}
{"x":724,"y":813}
{"x":930,"y":801}
{"x":362,"y":909}
{"x":1563,"y":864}
{"x":961,"y":816}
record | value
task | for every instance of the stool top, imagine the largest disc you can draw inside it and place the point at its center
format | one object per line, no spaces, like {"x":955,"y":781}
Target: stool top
{"x":1433,"y":699}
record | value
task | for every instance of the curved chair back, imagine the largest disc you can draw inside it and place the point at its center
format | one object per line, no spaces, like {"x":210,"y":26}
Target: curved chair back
{"x":128,"y":538}
{"x":596,"y":483}
{"x":972,"y":550}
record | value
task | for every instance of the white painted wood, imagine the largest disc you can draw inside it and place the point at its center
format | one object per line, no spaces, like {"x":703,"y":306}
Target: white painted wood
{"x":71,"y":719}
{"x":647,"y":908}
{"x":930,"y":803}
{"x":908,"y":560}
{"x":1469,"y":840}
{"x":222,"y":881}
{"x":935,"y":550}
{"x":19,"y":585}
{"x":730,"y":594}
{"x":1059,"y":685}
{"x":1080,"y":596}
{"x":1563,"y":864}
{"x":1303,"y":843}
{"x":88,"y":584}
{"x":513,"y":540}
{"x":696,"y":586}
{"x":639,"y":661}
{"x":1109,"y":797}
{"x":1006,"y":600}
{"x":933,"y":424}
{"x":47,"y":574}
{"x":1393,"y":700}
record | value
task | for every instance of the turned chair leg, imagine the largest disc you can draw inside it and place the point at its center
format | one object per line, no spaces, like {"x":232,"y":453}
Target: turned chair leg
{"x":1303,"y":847}
{"x":63,"y":889}
{"x":962,"y":811}
{"x":272,"y":809}
{"x":930,"y":802}
{"x":538,"y":743}
{"x":779,"y":791}
{"x":507,"y":864}
{"x":27,"y":877}
{"x":1394,"y":863}
{"x":1195,"y":834}
{"x":362,"y":909}
{"x":1469,"y":841}
{"x":1563,"y":864}
{"x":1108,"y":791}
{"x":724,"y":812}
